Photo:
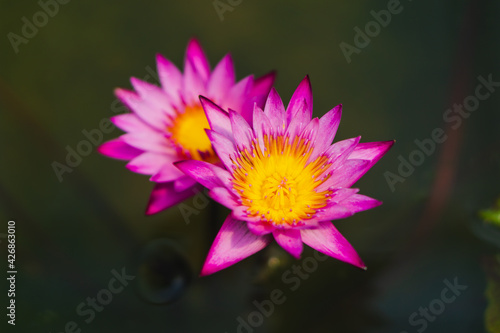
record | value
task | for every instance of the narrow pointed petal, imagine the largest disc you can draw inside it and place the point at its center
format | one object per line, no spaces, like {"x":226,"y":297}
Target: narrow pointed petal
{"x":263,"y":84}
{"x":301,"y":119}
{"x":354,"y":174}
{"x":275,"y":111}
{"x":150,"y":114}
{"x":170,"y":78}
{"x":342,"y":194}
{"x":260,"y":228}
{"x":303,"y":91}
{"x":347,"y":174}
{"x":222,"y":78}
{"x":117,"y":148}
{"x":289,"y":240}
{"x":223,"y":147}
{"x":203,"y":172}
{"x":224,"y":176}
{"x":224,"y":197}
{"x":261,"y":126}
{"x":233,"y":243}
{"x":198,"y":59}
{"x":217,"y":118}
{"x":328,"y":126}
{"x":129,"y":122}
{"x":184,"y":182}
{"x":333,"y":212}
{"x":240,"y":213}
{"x":328,"y":240}
{"x":193,"y":84}
{"x":153,"y":95}
{"x":150,"y":141}
{"x":371,"y":151}
{"x":340,"y":151}
{"x":149,"y":163}
{"x":237,"y":96}
{"x":168,"y":172}
{"x":164,"y":196}
{"x":310,"y":132}
{"x":258,"y":95}
{"x":243,"y":134}
{"x":358,"y":202}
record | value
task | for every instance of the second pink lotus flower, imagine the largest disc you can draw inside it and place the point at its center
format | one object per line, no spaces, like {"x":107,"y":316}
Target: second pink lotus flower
{"x":167,"y":123}
{"x":283,"y":179}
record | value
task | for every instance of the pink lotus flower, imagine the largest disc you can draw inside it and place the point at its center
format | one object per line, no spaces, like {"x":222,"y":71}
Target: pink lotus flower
{"x":284,"y":178}
{"x":167,"y":124}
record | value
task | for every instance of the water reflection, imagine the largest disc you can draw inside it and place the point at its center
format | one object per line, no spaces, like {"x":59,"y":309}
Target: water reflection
{"x":163,"y":272}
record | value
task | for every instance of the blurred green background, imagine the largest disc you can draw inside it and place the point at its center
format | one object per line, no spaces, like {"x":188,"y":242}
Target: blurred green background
{"x":72,"y":234}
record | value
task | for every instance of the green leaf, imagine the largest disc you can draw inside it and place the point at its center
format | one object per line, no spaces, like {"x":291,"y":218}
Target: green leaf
{"x":491,"y":215}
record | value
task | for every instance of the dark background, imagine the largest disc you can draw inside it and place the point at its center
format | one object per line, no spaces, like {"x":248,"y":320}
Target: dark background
{"x":71,"y":234}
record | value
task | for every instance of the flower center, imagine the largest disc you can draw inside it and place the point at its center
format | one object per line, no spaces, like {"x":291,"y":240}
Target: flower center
{"x":279,"y":185}
{"x":187,"y":133}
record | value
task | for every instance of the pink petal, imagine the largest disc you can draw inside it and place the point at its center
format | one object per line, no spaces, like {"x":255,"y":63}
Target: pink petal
{"x":193,"y":84}
{"x":223,"y":196}
{"x":164,"y":196}
{"x":222,"y":78}
{"x":168,"y":172}
{"x":150,"y":114}
{"x":303,"y":92}
{"x":333,"y":212}
{"x":328,"y":125}
{"x":275,"y":112}
{"x":183,"y":183}
{"x":203,"y":172}
{"x":153,"y":95}
{"x":243,"y":134}
{"x":358,"y":202}
{"x":117,"y":148}
{"x":311,"y":131}
{"x":238,"y":94}
{"x":260,"y":228}
{"x":340,"y":151}
{"x":170,"y":78}
{"x":257,"y":96}
{"x":129,"y":122}
{"x":328,"y":240}
{"x":299,"y":121}
{"x":262,"y":85}
{"x":261,"y":126}
{"x":223,"y":147}
{"x":149,"y":163}
{"x":371,"y":151}
{"x":233,"y":243}
{"x":149,"y":141}
{"x":347,"y":174}
{"x":224,"y":176}
{"x":217,"y":118}
{"x":290,"y":240}
{"x":240,"y":213}
{"x":198,"y":59}
{"x":342,"y":194}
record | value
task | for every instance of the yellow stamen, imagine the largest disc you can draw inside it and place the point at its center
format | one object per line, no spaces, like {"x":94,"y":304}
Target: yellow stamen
{"x":188,"y":133}
{"x":277,"y":184}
